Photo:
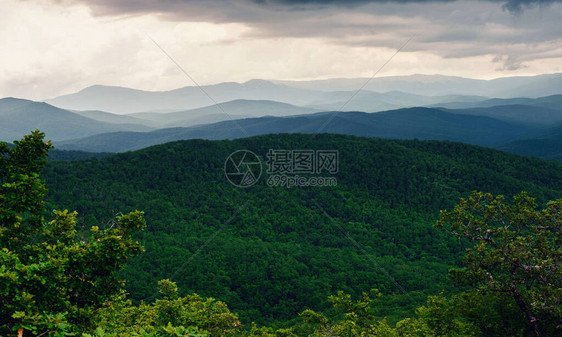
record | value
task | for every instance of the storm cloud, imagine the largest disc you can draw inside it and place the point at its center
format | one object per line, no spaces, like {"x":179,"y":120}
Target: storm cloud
{"x":167,"y":6}
{"x":290,"y":39}
{"x":510,"y":5}
{"x":513,"y":29}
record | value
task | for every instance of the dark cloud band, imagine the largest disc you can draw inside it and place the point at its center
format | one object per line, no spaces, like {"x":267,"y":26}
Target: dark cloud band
{"x":515,"y":6}
{"x":136,"y":6}
{"x":448,"y":28}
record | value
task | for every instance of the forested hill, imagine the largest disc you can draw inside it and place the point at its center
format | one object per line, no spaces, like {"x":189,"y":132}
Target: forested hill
{"x":271,"y":252}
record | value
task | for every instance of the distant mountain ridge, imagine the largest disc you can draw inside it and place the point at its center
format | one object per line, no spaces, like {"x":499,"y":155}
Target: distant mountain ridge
{"x":517,"y":113}
{"x":369,"y":101}
{"x":236,"y":109}
{"x":108,"y":117}
{"x":309,"y":93}
{"x":412,"y":123}
{"x":18,"y":117}
{"x":125,"y":101}
{"x":438,"y":85}
{"x":233,"y":110}
{"x":550,"y":102}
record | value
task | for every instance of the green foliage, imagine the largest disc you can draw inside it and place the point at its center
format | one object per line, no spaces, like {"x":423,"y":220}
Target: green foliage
{"x":61,"y":155}
{"x":61,"y":280}
{"x":465,"y":314}
{"x":51,"y":280}
{"x":437,"y":318}
{"x":517,"y":250}
{"x":172,"y":315}
{"x":21,"y":190}
{"x":492,"y":314}
{"x":281,"y":254}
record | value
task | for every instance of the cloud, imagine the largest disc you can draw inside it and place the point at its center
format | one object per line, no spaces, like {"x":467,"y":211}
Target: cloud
{"x":508,"y":62}
{"x":227,"y":7}
{"x":514,"y":6}
{"x":451,"y":29}
{"x":517,"y":6}
{"x":104,"y":41}
{"x":235,"y":10}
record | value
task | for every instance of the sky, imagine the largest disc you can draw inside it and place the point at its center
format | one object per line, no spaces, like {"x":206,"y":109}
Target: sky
{"x":55,"y":47}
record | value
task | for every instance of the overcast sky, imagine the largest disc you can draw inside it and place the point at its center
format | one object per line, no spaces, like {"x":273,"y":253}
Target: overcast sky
{"x":54,"y":47}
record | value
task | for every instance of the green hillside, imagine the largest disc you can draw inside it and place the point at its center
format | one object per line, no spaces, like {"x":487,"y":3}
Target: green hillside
{"x":546,"y":144}
{"x":271,"y":252}
{"x":542,"y":148}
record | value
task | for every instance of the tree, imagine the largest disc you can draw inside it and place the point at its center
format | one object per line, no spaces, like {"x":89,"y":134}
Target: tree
{"x":191,"y":315}
{"x":517,"y":250}
{"x":52,"y":281}
{"x":439,"y":317}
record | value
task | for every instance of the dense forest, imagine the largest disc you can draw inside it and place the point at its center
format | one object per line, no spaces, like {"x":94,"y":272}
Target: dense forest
{"x":365,"y":252}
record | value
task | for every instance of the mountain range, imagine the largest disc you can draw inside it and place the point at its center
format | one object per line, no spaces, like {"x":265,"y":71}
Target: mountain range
{"x":236,"y":109}
{"x":383,"y":93}
{"x":115,"y":119}
{"x":125,"y":100}
{"x":411,"y":123}
{"x":18,"y":117}
{"x":438,"y":85}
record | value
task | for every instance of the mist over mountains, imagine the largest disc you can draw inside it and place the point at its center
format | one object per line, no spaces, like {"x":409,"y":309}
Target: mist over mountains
{"x":411,"y":123}
{"x":18,"y":117}
{"x":439,"y":85}
{"x":518,"y":114}
{"x":124,"y":100}
{"x":390,"y":93}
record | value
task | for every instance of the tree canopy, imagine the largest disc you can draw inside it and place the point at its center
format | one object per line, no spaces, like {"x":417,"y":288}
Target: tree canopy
{"x":517,"y":250}
{"x":50,"y":277}
{"x":60,"y":279}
